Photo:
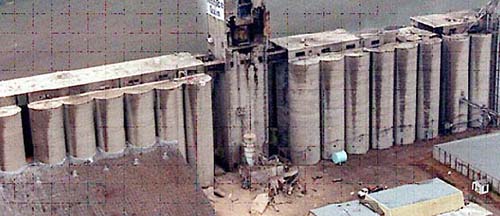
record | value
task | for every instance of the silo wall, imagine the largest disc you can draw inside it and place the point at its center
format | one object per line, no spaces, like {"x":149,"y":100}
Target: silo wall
{"x":47,"y":131}
{"x":357,"y":100}
{"x":382,"y":97}
{"x":199,"y":128}
{"x":109,"y":121}
{"x":12,"y":155}
{"x":455,"y":82}
{"x":140,"y":116}
{"x":332,"y":105}
{"x":479,"y":76}
{"x":405,"y":93}
{"x":428,"y":85}
{"x":304,"y":111}
{"x":169,"y":109}
{"x":79,"y":127}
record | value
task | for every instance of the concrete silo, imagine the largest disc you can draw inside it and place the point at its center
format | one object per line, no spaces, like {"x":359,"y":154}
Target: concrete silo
{"x":405,"y":93}
{"x":332,"y":105}
{"x":428,"y":83}
{"x":47,"y":131}
{"x":140,"y":116}
{"x":79,"y":126}
{"x":304,"y":111}
{"x":199,"y":127}
{"x":382,"y":97}
{"x":169,"y":109}
{"x":110,"y":122}
{"x":479,"y":76}
{"x":357,"y":98}
{"x":455,"y":82}
{"x":12,"y":155}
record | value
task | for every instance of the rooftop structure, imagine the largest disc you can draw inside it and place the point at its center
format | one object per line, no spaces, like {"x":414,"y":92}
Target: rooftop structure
{"x":448,"y":23}
{"x":352,"y":208}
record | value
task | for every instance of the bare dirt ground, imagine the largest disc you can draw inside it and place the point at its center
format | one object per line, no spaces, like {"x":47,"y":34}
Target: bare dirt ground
{"x":393,"y":167}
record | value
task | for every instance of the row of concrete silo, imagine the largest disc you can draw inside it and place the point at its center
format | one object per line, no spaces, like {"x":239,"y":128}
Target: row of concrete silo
{"x":111,"y":120}
{"x":385,"y":96}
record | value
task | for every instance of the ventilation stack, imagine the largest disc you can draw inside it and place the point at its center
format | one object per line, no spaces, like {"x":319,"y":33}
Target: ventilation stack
{"x":79,"y":127}
{"x":455,"y":82}
{"x":332,"y":105}
{"x":429,"y":73}
{"x":12,"y":155}
{"x":47,"y":131}
{"x":382,"y":97}
{"x":169,"y":111}
{"x":110,"y":123}
{"x":357,"y":98}
{"x":479,"y":76}
{"x":140,"y":116}
{"x":304,"y":112}
{"x":405,"y":93}
{"x":199,"y":127}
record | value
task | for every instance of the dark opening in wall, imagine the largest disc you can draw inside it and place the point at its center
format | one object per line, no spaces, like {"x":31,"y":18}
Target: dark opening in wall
{"x":300,"y":54}
{"x":350,"y":46}
{"x":28,"y":143}
{"x":375,"y":42}
{"x":326,"y":50}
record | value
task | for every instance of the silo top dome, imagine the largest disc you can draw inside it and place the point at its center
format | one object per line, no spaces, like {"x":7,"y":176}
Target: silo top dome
{"x":9,"y":111}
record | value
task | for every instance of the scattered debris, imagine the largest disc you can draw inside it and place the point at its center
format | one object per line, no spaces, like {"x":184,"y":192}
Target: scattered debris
{"x":339,"y":157}
{"x":260,"y":203}
{"x":337,"y":180}
{"x":317,"y":177}
{"x":136,"y":161}
{"x":209,"y":193}
{"x":106,"y":168}
{"x":219,"y":192}
{"x":219,"y":171}
{"x":74,"y":173}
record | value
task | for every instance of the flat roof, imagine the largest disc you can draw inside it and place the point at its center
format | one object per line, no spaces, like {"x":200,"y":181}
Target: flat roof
{"x":352,"y":208}
{"x":297,"y":42}
{"x":413,"y":193}
{"x":481,"y":152}
{"x":64,"y":79}
{"x":447,"y":19}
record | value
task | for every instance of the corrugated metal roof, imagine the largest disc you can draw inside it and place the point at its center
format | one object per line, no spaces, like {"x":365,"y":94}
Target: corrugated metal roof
{"x":352,"y":208}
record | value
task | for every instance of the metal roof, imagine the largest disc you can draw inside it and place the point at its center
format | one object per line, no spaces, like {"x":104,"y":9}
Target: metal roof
{"x":298,"y":42}
{"x":352,"y":208}
{"x":448,"y":19}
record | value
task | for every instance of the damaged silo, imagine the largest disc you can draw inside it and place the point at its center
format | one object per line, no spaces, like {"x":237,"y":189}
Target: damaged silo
{"x":304,"y":111}
{"x":332,"y":105}
{"x":382,"y":97}
{"x":357,"y":102}
{"x":110,"y":122}
{"x":169,"y":109}
{"x":140,"y":116}
{"x":429,"y":73}
{"x":405,"y":93}
{"x":79,"y":127}
{"x":479,"y":76}
{"x":455,"y":82}
{"x":47,"y":131}
{"x":199,"y":127}
{"x":12,"y":155}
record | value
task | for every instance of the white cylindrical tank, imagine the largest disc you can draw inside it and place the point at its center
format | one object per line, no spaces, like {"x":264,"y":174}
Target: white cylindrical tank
{"x":405,"y":93}
{"x":12,"y":155}
{"x":140,"y":116}
{"x":304,"y":111}
{"x":79,"y":127}
{"x":479,"y":76}
{"x":47,"y":131}
{"x":169,"y":108}
{"x":428,"y":84}
{"x":199,"y":128}
{"x":357,"y":98}
{"x":455,"y":85}
{"x":382,"y":97}
{"x":110,"y":122}
{"x":332,"y":105}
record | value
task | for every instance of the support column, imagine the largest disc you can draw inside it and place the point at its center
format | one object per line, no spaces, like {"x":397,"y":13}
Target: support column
{"x":12,"y":155}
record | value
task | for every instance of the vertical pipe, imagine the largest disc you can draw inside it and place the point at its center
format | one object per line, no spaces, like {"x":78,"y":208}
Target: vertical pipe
{"x":357,"y":100}
{"x":455,"y":77}
{"x":110,"y":122}
{"x":332,"y":105}
{"x":169,"y":109}
{"x":12,"y":155}
{"x":47,"y":129}
{"x":140,"y":117}
{"x":79,"y":127}
{"x":405,"y":94}
{"x":199,"y":128}
{"x":479,"y":76}
{"x":428,"y":85}
{"x":382,"y":97}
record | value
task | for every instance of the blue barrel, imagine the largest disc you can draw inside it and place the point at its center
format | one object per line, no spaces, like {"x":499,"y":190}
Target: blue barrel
{"x":339,"y":157}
